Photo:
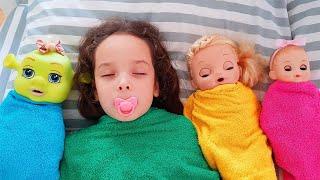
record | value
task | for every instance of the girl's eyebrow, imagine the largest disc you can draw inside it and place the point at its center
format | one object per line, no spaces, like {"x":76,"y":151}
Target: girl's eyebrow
{"x":104,"y":64}
{"x":101,"y":67}
{"x":141,"y":61}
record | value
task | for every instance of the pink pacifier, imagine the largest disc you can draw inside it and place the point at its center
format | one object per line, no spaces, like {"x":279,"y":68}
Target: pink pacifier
{"x":126,"y":106}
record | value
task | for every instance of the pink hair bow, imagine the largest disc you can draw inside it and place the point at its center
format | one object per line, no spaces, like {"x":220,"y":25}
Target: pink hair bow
{"x":49,"y":47}
{"x":281,"y":43}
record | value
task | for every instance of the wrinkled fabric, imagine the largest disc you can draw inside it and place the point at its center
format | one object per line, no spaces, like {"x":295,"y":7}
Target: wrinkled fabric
{"x":290,"y":119}
{"x":31,"y":138}
{"x":157,"y":145}
{"x":226,"y":119}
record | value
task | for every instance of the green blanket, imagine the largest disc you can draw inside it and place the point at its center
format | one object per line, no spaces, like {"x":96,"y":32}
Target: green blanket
{"x":157,"y":145}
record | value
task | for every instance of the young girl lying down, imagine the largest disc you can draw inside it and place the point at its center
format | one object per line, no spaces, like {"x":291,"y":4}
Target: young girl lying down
{"x":128,"y":85}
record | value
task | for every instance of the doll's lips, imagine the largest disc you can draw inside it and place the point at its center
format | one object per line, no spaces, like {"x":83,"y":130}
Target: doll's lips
{"x":37,"y":92}
{"x":126,"y":106}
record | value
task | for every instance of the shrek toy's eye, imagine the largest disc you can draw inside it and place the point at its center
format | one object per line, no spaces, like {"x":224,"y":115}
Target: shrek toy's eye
{"x":28,"y":73}
{"x":54,"y":78}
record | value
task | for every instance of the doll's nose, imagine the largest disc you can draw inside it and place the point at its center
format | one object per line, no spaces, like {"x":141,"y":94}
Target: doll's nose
{"x":221,"y":79}
{"x":298,"y":74}
{"x":38,"y":81}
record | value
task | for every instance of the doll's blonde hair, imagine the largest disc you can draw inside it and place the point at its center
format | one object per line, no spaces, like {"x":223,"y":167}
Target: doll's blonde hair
{"x":252,"y":64}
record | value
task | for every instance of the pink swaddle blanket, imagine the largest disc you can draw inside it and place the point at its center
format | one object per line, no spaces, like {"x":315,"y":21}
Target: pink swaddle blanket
{"x":290,"y":119}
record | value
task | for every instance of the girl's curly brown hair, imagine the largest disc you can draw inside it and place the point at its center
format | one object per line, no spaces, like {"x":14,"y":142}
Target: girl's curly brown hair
{"x":166,"y":75}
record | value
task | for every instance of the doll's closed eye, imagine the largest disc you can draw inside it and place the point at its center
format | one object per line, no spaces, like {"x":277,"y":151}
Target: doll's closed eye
{"x":303,"y":67}
{"x":228,"y":65}
{"x":287,"y":68}
{"x":204,"y":72}
{"x":229,"y":68}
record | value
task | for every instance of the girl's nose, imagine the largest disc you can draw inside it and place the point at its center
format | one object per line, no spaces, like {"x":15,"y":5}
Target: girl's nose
{"x":124,"y":84}
{"x":124,"y":87}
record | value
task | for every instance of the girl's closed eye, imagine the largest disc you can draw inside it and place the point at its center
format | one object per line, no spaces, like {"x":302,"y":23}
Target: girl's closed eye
{"x":140,"y":68}
{"x":109,"y":75}
{"x":139,"y":73}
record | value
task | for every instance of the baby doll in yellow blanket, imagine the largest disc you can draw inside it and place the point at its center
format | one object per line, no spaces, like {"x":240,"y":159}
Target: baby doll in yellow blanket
{"x":224,"y":109}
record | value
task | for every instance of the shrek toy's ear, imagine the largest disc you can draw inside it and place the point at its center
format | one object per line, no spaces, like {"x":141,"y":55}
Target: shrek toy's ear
{"x":11,"y":62}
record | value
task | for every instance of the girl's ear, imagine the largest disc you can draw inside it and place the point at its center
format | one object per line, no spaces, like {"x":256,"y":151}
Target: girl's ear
{"x":96,"y":97}
{"x":95,"y":93}
{"x":156,"y":90}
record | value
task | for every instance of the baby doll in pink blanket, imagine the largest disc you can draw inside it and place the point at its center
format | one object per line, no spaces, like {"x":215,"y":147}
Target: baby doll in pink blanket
{"x":290,"y":114}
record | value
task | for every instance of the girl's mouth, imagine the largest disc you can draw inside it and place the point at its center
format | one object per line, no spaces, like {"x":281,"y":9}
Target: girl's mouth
{"x":127,"y":106}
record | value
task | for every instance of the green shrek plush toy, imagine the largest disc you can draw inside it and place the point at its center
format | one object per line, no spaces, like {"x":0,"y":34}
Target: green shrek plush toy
{"x":31,"y":120}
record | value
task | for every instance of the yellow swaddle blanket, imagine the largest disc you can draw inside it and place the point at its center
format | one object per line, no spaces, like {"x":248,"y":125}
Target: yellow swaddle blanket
{"x":227,"y":121}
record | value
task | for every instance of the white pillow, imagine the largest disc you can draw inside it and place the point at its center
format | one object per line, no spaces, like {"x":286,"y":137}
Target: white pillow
{"x":180,"y":21}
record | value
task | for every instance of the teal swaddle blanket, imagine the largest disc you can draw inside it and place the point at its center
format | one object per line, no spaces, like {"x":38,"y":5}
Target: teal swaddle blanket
{"x":31,"y":138}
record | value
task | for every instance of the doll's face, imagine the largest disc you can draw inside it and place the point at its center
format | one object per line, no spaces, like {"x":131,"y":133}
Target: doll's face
{"x":290,"y":65}
{"x":213,"y":66}
{"x":124,"y":77}
{"x":44,"y":77}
